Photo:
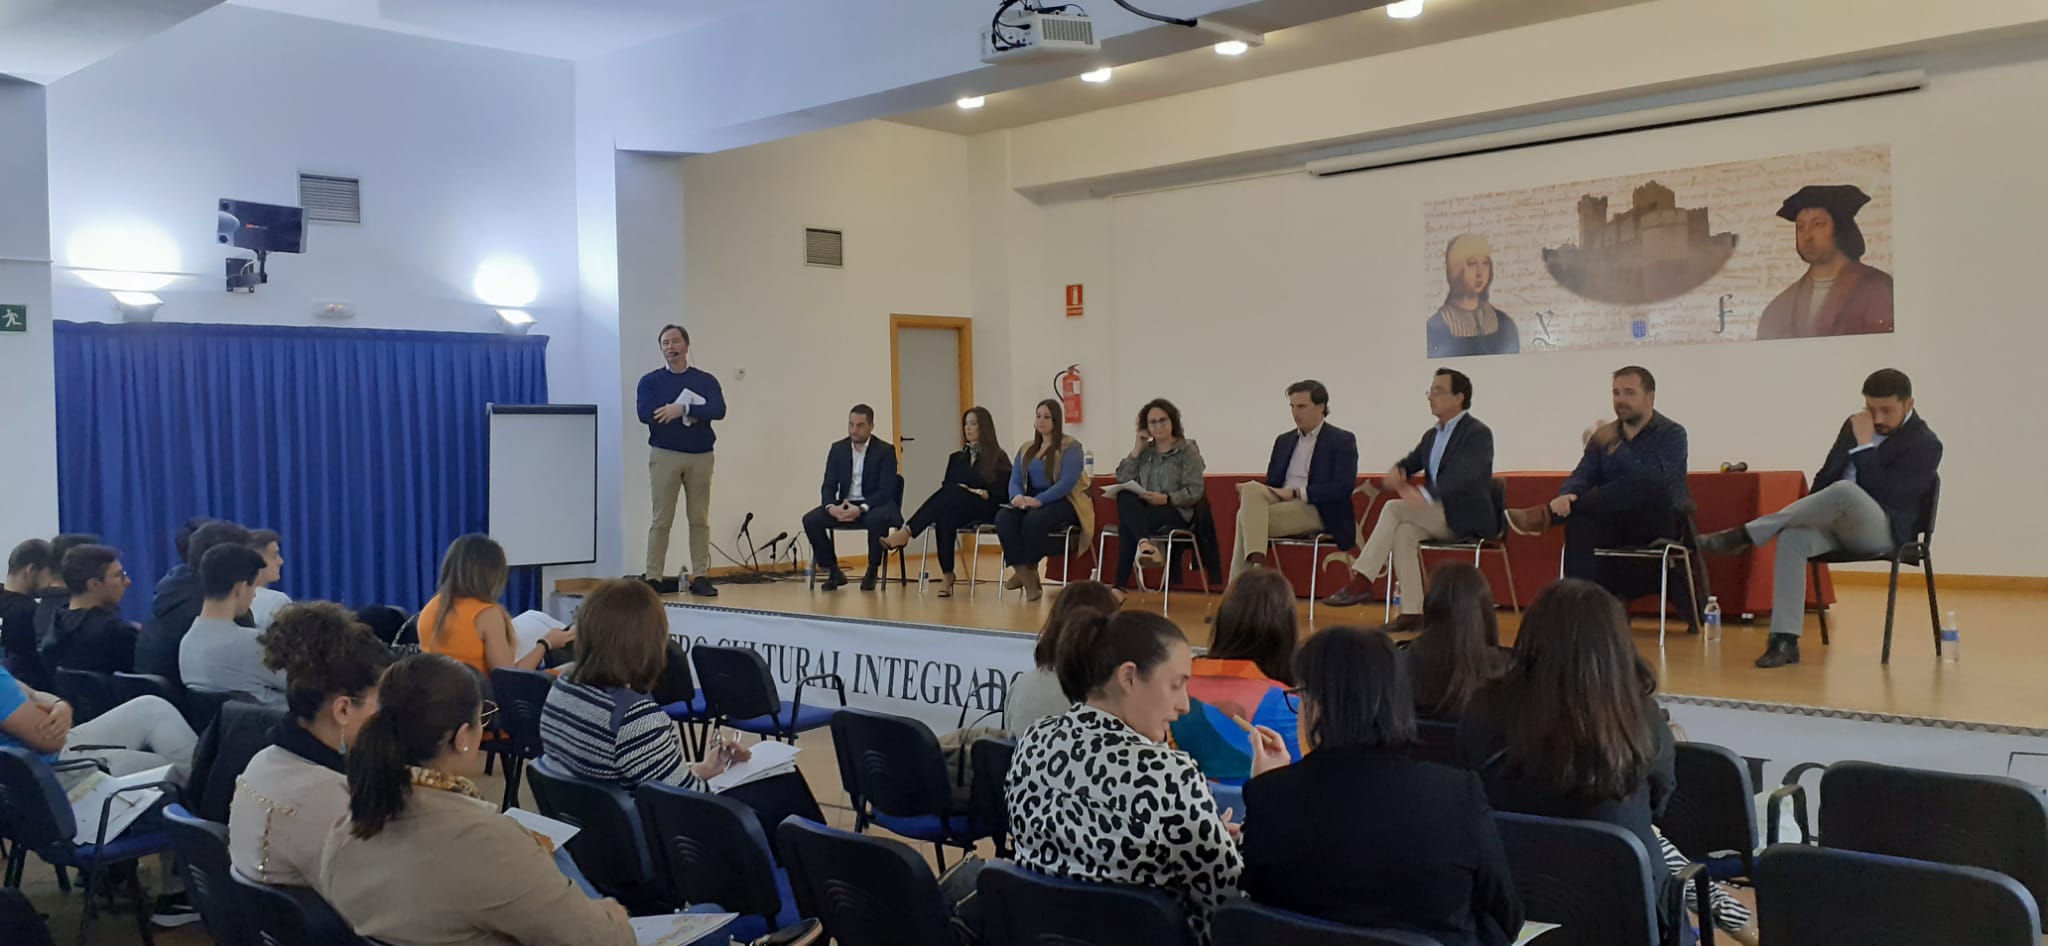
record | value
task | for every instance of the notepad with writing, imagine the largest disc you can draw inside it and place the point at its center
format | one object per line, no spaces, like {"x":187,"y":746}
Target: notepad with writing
{"x":95,"y":797}
{"x":678,"y":929}
{"x":769,"y":759}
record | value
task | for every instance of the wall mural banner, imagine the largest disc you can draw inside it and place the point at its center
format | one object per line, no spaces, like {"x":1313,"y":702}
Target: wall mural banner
{"x":1796,"y":246}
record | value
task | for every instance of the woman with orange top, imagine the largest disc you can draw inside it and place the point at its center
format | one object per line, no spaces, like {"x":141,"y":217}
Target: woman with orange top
{"x":464,"y":620}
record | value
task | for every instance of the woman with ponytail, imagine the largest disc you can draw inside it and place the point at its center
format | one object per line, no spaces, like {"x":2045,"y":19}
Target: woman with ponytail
{"x":421,"y":858}
{"x":1097,"y":794}
{"x":297,"y":788}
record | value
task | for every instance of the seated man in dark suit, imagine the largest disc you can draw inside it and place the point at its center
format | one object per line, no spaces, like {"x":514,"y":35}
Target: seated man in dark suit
{"x":859,"y":490}
{"x":1628,"y":490}
{"x":1865,"y":500}
{"x":1308,"y":482}
{"x":1456,"y":499}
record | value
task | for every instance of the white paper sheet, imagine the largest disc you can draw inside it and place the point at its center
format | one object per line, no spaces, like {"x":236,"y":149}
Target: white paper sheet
{"x":529,"y":627}
{"x":770,"y":759}
{"x":89,"y":797}
{"x":558,"y":833}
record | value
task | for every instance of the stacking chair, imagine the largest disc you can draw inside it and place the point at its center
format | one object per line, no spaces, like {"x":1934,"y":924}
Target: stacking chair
{"x":1590,"y":877}
{"x":292,"y":916}
{"x":709,"y":849}
{"x":902,"y":560}
{"x":1244,"y":923}
{"x":1819,"y":897}
{"x":677,"y":694}
{"x":1477,"y":545}
{"x":1066,"y":557}
{"x":867,"y":891}
{"x":89,"y":692}
{"x":739,"y":688}
{"x":202,"y":848}
{"x":975,"y":533}
{"x":1984,"y":821}
{"x":610,"y":848}
{"x":1916,"y":551}
{"x":520,"y":696}
{"x":128,"y":686}
{"x":36,"y":816}
{"x":1314,"y":544}
{"x":899,"y":780}
{"x":1682,"y":551}
{"x":1437,"y":741}
{"x":1025,"y":908}
{"x":991,"y":761}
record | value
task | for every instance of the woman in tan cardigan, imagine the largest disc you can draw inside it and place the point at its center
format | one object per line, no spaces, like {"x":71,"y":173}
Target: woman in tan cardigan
{"x":422,"y":860}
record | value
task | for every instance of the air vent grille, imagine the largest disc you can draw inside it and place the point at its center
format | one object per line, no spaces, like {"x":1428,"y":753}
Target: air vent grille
{"x":329,"y":199}
{"x":824,"y":248}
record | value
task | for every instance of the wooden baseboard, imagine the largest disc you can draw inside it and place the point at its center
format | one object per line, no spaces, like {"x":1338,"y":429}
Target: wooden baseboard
{"x":1914,"y":578}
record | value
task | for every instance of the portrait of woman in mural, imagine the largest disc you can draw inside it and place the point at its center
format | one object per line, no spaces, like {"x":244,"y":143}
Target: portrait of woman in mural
{"x":1467,"y":323}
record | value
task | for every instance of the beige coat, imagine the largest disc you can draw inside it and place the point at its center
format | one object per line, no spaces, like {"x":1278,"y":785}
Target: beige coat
{"x":278,"y":822}
{"x":452,"y":871}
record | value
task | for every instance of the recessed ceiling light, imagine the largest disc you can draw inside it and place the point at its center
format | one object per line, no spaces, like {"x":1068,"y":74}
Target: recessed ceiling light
{"x":1232,"y":48}
{"x":1405,"y":9}
{"x":1097,"y":76}
{"x":972,"y":101}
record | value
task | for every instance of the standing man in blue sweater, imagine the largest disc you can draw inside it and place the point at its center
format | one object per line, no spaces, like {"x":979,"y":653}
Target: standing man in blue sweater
{"x":678,"y":404}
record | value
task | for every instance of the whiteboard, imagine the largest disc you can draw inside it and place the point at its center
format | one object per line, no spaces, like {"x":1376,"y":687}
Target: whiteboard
{"x":543,"y":485}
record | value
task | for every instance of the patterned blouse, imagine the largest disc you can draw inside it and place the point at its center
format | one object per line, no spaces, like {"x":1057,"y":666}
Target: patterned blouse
{"x":1092,"y":799}
{"x":613,"y":735}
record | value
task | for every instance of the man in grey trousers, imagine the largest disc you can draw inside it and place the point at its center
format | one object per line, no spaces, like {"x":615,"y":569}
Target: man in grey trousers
{"x":1866,"y":500}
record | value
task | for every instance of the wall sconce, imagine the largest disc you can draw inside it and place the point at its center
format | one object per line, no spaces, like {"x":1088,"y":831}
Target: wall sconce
{"x":514,"y":321}
{"x":136,"y":306}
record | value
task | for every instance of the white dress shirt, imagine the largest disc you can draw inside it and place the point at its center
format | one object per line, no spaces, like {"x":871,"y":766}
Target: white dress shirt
{"x":860,"y":460}
{"x":1297,"y":467}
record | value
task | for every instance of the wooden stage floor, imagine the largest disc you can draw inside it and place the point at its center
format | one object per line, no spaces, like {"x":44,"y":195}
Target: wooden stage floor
{"x":2002,"y":678}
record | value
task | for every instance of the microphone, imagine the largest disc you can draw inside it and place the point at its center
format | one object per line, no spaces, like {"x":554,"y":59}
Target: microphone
{"x":744,"y":523}
{"x":771,"y":542}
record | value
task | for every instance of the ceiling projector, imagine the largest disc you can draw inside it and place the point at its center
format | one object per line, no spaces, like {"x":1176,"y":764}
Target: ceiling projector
{"x":1021,"y":33}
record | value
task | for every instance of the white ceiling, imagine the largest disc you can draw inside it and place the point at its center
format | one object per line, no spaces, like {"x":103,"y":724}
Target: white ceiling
{"x":1337,"y":39}
{"x":45,"y":40}
{"x":565,"y":29}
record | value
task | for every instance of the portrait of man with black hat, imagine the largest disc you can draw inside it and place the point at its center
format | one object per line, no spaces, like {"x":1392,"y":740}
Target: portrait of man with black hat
{"x":1838,"y":295}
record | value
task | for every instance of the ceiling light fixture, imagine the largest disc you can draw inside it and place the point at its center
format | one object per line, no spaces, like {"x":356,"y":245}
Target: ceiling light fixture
{"x":515,"y":321}
{"x":1235,"y":47}
{"x":136,"y":306}
{"x":1097,"y":76}
{"x":1405,"y":9}
{"x":972,"y":101}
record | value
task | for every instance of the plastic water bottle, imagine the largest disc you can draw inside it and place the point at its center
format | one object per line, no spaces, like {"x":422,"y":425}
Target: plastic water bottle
{"x":1088,"y":466}
{"x":1396,"y":592}
{"x":1711,"y":619}
{"x":1951,"y":639}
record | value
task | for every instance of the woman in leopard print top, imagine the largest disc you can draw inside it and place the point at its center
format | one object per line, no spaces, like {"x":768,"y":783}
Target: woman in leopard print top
{"x":1095,"y":793}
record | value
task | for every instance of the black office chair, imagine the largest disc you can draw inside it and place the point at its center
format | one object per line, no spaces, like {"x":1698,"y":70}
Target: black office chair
{"x":1985,"y":821}
{"x":610,"y":848}
{"x":128,"y":686}
{"x":1915,"y":551}
{"x":1024,"y":908}
{"x":1591,"y":878}
{"x":990,"y":759}
{"x":520,"y":694}
{"x":737,"y":685}
{"x":867,"y":891}
{"x":89,"y":692}
{"x":202,"y":848}
{"x":899,"y":776}
{"x":1244,"y":923}
{"x":1817,"y":897}
{"x":292,"y":916}
{"x":709,"y":849}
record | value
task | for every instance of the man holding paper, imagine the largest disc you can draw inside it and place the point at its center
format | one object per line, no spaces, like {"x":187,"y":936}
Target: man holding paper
{"x":678,"y":404}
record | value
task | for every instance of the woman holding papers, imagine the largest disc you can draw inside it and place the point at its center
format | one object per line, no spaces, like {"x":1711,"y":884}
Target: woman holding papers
{"x":422,"y":858}
{"x":976,"y":485}
{"x":1047,"y":497}
{"x":600,"y":724}
{"x":295,"y":790}
{"x":1157,"y":487}
{"x":464,"y":620}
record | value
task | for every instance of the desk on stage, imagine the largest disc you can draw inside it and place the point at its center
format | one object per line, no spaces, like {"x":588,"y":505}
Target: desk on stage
{"x":1743,"y":583}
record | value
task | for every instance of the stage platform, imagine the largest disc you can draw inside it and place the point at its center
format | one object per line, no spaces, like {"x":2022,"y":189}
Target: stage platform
{"x":1996,"y":686}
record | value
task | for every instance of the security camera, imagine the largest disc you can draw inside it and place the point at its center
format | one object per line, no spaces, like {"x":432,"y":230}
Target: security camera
{"x":226,"y":226}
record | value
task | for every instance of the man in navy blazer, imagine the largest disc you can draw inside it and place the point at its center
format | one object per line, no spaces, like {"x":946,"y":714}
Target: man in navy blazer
{"x":1865,"y":500}
{"x":1308,"y":482}
{"x":1455,"y":500}
{"x":860,"y":491}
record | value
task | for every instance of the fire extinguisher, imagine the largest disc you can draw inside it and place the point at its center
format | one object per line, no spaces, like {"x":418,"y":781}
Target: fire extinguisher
{"x":1067,"y":385}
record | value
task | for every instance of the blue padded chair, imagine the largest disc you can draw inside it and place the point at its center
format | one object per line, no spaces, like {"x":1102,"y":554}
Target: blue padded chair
{"x":36,"y":817}
{"x":1025,"y":908}
{"x":610,"y":848}
{"x":709,"y":849}
{"x":520,"y":695}
{"x":991,"y":761}
{"x":736,"y":683}
{"x":677,"y":694}
{"x":292,"y":916}
{"x":202,"y":848}
{"x":1244,"y":923}
{"x":1589,"y":877}
{"x":899,"y":777}
{"x":867,"y":891}
{"x":1820,"y":897}
{"x":1986,"y":821}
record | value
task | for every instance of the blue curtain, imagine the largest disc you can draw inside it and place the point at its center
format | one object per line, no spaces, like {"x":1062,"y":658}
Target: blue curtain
{"x":367,"y":450}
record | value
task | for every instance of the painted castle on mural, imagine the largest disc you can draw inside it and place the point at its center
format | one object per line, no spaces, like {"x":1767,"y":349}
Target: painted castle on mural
{"x":1653,"y":251}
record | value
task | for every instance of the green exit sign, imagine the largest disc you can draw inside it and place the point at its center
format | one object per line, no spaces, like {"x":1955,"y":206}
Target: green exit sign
{"x":13,"y":318}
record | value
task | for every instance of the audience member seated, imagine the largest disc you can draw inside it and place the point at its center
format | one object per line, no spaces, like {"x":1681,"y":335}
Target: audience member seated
{"x":600,"y":724}
{"x":55,"y":598}
{"x":977,"y":484}
{"x":1142,"y":814}
{"x":1244,"y":676}
{"x":1458,"y":653}
{"x":218,"y":653}
{"x":1308,"y":484}
{"x":1036,"y":694}
{"x":859,"y":491}
{"x":422,"y":859}
{"x":464,"y":620}
{"x":1455,"y":458}
{"x":1573,"y":730}
{"x":1168,"y":470}
{"x":268,"y":600}
{"x":1046,"y":497}
{"x":31,"y":567}
{"x":1629,"y":489}
{"x":1357,"y":832}
{"x":179,"y":597}
{"x":1865,"y":501}
{"x":294,"y":791}
{"x":90,"y":633}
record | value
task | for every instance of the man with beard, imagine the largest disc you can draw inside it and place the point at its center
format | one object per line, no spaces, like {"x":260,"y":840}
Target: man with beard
{"x":1865,"y":500}
{"x":1838,"y":295}
{"x":1629,"y":489}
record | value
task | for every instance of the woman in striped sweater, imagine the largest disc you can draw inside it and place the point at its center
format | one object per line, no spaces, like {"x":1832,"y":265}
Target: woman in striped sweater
{"x":600,"y":724}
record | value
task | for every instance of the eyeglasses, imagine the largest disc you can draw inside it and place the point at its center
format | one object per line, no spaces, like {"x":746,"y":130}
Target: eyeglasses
{"x":1292,"y":696}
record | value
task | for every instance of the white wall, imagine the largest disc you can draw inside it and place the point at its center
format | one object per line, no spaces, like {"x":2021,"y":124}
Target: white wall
{"x":26,"y":386}
{"x":793,"y":346}
{"x":465,"y":154}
